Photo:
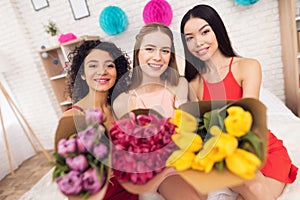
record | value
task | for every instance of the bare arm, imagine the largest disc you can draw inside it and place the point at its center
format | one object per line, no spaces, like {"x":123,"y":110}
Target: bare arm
{"x":250,"y":75}
{"x":261,"y":187}
{"x":174,"y":187}
{"x":120,"y":105}
{"x":181,"y":92}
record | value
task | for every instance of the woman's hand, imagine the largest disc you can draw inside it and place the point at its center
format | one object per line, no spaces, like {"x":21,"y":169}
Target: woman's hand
{"x":260,"y":188}
{"x":174,"y":187}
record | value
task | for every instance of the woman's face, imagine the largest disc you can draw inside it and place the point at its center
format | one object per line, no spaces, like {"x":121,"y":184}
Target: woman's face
{"x":99,"y":70}
{"x":200,"y":38}
{"x":155,"y":53}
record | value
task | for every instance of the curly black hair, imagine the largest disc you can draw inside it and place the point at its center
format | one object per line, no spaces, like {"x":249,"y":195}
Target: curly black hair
{"x":78,"y":88}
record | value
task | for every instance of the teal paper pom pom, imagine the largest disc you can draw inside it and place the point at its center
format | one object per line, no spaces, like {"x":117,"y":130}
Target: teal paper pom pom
{"x":113,"y":20}
{"x":245,"y":2}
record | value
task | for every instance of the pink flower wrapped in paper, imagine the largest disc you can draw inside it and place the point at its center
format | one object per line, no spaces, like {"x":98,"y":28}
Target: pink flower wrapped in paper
{"x":141,"y":144}
{"x":219,"y":140}
{"x":81,"y":159}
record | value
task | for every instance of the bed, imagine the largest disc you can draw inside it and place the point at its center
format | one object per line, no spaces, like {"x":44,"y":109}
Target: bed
{"x":283,"y":123}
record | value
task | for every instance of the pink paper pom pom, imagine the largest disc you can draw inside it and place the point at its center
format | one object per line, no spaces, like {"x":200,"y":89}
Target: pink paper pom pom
{"x":158,"y":11}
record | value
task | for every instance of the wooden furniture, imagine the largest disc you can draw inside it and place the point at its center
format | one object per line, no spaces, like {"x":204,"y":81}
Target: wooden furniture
{"x":22,"y":121}
{"x":290,"y":53}
{"x":54,"y":60}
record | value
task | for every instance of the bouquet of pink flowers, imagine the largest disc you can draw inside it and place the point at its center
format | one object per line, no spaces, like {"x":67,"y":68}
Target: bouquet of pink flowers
{"x":141,"y":145}
{"x":79,"y":165}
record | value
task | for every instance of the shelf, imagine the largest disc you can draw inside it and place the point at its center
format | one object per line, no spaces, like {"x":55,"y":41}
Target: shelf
{"x":64,"y":103}
{"x":58,"y":77}
{"x":80,"y":39}
{"x":55,"y":70}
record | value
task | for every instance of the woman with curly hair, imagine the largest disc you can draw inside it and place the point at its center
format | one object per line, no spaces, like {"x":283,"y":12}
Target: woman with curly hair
{"x":95,"y":68}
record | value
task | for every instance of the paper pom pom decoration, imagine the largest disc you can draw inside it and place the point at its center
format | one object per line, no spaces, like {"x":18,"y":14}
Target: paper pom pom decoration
{"x":113,"y":20}
{"x":245,"y":2}
{"x":158,"y":11}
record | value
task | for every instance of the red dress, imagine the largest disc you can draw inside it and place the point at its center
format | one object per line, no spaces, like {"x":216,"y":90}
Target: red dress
{"x":114,"y":190}
{"x":278,"y":164}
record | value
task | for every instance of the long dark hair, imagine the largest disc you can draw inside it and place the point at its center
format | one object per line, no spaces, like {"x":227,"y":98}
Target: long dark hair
{"x":78,"y":88}
{"x":171,"y":74}
{"x":194,"y":65}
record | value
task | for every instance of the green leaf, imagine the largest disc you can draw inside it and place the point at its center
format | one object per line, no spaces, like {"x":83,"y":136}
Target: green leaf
{"x":201,"y":130}
{"x":59,"y":159}
{"x":251,"y":143}
{"x":56,"y":173}
{"x":214,"y":117}
{"x":220,"y":165}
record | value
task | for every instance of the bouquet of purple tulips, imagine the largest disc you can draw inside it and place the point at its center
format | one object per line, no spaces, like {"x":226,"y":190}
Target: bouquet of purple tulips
{"x":81,"y":160}
{"x":141,"y":145}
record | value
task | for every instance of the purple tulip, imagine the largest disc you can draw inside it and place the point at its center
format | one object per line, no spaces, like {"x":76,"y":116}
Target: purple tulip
{"x":91,"y":180}
{"x":100,"y":130}
{"x":71,"y":183}
{"x":87,"y":137}
{"x":100,"y":151}
{"x":93,"y":116}
{"x":77,"y":163}
{"x":66,"y":146}
{"x":80,"y":145}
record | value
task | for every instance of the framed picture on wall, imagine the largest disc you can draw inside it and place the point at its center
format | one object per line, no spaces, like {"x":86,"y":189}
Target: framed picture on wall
{"x":39,"y":4}
{"x":79,"y":9}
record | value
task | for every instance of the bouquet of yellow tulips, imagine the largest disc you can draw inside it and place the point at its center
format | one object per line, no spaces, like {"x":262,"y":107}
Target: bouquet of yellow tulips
{"x":220,"y":139}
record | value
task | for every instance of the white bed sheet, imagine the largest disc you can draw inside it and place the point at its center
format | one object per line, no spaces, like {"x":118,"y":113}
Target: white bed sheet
{"x":283,"y":123}
{"x":286,"y":126}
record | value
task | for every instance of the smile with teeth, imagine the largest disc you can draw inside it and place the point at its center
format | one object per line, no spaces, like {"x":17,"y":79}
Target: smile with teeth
{"x":202,"y":51}
{"x":155,"y":66}
{"x":102,"y":80}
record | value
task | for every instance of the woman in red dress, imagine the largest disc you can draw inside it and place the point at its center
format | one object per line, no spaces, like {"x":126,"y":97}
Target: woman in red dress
{"x":215,"y":72}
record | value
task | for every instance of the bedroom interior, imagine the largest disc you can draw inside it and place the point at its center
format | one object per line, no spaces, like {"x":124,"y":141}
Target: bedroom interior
{"x":266,"y":30}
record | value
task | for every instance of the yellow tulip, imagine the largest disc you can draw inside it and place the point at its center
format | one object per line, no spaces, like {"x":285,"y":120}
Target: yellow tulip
{"x":215,"y":130}
{"x":243,"y":163}
{"x":187,"y":141}
{"x":184,"y":121}
{"x":206,"y":163}
{"x":238,"y":122}
{"x":222,"y":143}
{"x":181,"y":160}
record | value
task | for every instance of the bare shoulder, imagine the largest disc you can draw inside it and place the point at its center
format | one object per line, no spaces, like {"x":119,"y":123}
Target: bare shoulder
{"x":181,"y":88}
{"x":248,"y":64}
{"x":120,"y":104}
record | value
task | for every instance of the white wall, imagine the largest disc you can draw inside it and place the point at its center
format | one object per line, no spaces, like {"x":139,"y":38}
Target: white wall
{"x":254,"y":32}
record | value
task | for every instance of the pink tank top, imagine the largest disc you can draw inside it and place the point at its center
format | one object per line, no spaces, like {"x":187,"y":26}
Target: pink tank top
{"x":162,"y":101}
{"x":228,"y":88}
